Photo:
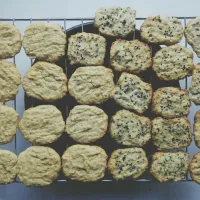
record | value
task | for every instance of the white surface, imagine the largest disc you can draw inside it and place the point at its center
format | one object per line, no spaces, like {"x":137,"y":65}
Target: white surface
{"x":86,"y":8}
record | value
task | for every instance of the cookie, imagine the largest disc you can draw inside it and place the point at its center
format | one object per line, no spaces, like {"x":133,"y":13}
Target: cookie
{"x":86,"y":124}
{"x":115,"y":21}
{"x":128,"y":163}
{"x":161,"y":30}
{"x":192,"y":33}
{"x":171,"y":166}
{"x":86,"y":49}
{"x":8,"y":123}
{"x":10,"y":79}
{"x":8,"y":169}
{"x":195,"y":85}
{"x":194,"y":168}
{"x":173,"y":63}
{"x":171,"y":133}
{"x":130,"y":56}
{"x":38,"y":166}
{"x":45,"y":81}
{"x":84,"y":163}
{"x":129,"y":129}
{"x":132,"y":93}
{"x":42,"y":124}
{"x":10,"y":40}
{"x":44,"y":41}
{"x":171,"y":102}
{"x":197,"y":129}
{"x":91,"y":85}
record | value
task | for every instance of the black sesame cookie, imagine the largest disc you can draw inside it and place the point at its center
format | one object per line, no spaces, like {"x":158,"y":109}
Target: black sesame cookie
{"x":197,"y":129}
{"x":132,"y":93}
{"x":173,"y":63}
{"x":195,"y":168}
{"x":170,"y":166}
{"x":115,"y":21}
{"x":130,"y":56}
{"x":161,"y":30}
{"x":86,"y":49}
{"x":171,"y":102}
{"x":171,"y":133}
{"x":192,"y":33}
{"x":195,"y":85}
{"x":128,"y":163}
{"x":129,"y":129}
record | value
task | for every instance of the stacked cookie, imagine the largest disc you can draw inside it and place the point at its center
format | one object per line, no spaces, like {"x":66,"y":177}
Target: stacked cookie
{"x":92,"y":85}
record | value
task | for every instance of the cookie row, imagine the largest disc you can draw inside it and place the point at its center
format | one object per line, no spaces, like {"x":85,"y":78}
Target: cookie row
{"x":40,"y":166}
{"x":44,"y":124}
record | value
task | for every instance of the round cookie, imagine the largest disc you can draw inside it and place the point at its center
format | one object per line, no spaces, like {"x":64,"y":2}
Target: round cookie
{"x":132,"y":93}
{"x":171,"y":102}
{"x":161,"y":30}
{"x":196,"y":129}
{"x":130,"y":56}
{"x":91,"y":85}
{"x":129,"y":129}
{"x":171,"y":133}
{"x":128,"y":163}
{"x":84,"y":163}
{"x":42,"y":124}
{"x":194,"y":168}
{"x":170,"y":166}
{"x":10,"y":79}
{"x":45,"y":81}
{"x":195,"y":85}
{"x":10,"y":40}
{"x":8,"y":123}
{"x":115,"y":21}
{"x":173,"y":63}
{"x":44,"y":41}
{"x":86,"y":124}
{"x":192,"y":32}
{"x":8,"y":169}
{"x":86,"y":49}
{"x":38,"y":166}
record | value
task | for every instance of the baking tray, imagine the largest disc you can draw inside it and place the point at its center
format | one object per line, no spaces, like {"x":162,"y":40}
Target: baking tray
{"x":110,"y":107}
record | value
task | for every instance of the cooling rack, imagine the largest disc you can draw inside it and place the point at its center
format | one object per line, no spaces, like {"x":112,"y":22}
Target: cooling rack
{"x":23,"y":102}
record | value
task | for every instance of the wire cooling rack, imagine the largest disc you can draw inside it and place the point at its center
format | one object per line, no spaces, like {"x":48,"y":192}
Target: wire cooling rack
{"x":23,"y":102}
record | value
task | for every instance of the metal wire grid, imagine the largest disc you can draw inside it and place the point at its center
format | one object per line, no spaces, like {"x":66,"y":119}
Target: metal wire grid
{"x":81,"y":20}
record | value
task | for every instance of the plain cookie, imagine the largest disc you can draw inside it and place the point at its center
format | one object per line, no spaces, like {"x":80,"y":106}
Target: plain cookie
{"x":42,"y":124}
{"x":195,"y":168}
{"x":171,"y":102}
{"x":10,"y":40}
{"x":171,"y":133}
{"x":171,"y":166}
{"x":132,"y":93}
{"x":197,"y":129}
{"x":91,"y":85}
{"x":45,"y":81}
{"x":128,"y":163}
{"x":130,"y":56}
{"x":86,"y":124}
{"x":10,"y":79}
{"x":115,"y":21}
{"x":86,"y":49}
{"x":173,"y":63}
{"x":84,"y":163}
{"x":8,"y":123}
{"x":129,"y":129}
{"x":192,"y":33}
{"x":38,"y":166}
{"x":44,"y":41}
{"x":8,"y":169}
{"x":195,"y":85}
{"x":161,"y":30}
